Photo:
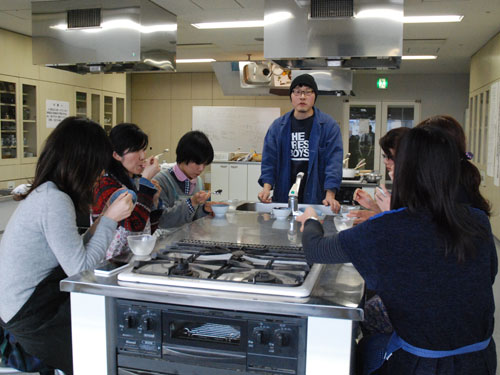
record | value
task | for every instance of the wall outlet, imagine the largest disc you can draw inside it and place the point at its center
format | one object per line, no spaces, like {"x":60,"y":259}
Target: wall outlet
{"x":11,"y":185}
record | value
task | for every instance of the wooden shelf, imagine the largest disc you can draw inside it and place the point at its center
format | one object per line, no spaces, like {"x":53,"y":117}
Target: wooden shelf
{"x":9,"y":131}
{"x":8,"y":104}
{"x":29,"y":120}
{"x":9,"y":146}
{"x":8,"y":120}
{"x":7,"y":92}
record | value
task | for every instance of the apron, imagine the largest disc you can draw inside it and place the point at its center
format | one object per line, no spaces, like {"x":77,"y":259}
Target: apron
{"x":42,"y":328}
{"x":380,"y":348}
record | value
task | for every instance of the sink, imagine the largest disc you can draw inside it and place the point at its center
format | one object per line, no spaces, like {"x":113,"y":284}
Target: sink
{"x":268,"y":207}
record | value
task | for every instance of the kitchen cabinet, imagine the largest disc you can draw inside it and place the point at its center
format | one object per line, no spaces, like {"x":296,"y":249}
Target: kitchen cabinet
{"x":81,"y":104}
{"x":108,"y":113}
{"x":237,"y":180}
{"x":18,"y":121}
{"x":253,"y":185}
{"x":220,"y":179}
{"x":29,"y":123}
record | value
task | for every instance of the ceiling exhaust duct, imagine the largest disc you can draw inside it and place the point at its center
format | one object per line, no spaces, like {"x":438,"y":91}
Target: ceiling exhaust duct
{"x":322,"y":34}
{"x":107,"y":36}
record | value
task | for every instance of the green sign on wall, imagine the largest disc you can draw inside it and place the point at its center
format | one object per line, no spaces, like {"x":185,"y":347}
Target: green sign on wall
{"x":382,"y":83}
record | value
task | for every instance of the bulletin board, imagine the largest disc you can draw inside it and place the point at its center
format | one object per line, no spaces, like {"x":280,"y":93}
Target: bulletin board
{"x":233,"y":128}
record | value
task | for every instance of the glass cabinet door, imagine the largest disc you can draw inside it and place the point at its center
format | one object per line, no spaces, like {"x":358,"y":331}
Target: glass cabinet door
{"x":108,"y":113}
{"x":29,"y":128}
{"x":96,"y":108}
{"x":120,"y":110}
{"x":81,"y":104}
{"x":8,"y":127}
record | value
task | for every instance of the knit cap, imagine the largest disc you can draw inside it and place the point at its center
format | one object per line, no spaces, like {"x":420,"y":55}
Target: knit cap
{"x":304,"y":80}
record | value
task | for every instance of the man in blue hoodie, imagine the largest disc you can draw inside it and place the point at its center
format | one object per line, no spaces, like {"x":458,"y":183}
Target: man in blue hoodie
{"x":303,"y":140}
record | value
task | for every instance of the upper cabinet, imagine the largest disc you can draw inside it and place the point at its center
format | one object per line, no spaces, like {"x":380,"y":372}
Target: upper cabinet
{"x":81,"y":104}
{"x":29,"y":123}
{"x":8,"y":116}
{"x":108,"y":113}
{"x":18,"y":121}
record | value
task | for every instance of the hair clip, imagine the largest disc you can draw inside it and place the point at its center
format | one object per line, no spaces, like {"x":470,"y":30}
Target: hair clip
{"x":469,"y":155}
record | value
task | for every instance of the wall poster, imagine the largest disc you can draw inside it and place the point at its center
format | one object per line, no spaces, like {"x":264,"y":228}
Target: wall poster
{"x":56,"y":111}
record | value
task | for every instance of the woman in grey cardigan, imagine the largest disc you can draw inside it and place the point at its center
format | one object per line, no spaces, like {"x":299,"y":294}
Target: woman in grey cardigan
{"x":41,"y":244}
{"x":181,"y":185}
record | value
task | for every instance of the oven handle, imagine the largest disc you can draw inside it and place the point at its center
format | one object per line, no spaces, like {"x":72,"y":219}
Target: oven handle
{"x":200,"y":353}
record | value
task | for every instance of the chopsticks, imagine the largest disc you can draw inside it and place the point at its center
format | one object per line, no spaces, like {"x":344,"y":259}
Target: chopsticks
{"x":360,"y":164}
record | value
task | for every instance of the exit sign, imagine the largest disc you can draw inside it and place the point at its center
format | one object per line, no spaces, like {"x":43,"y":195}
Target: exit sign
{"x":382,"y":83}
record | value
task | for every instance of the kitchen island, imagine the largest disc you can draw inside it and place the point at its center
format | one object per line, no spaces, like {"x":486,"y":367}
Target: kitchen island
{"x":327,"y":319}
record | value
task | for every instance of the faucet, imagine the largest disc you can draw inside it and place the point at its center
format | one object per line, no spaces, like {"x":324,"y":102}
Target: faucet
{"x":293,"y":195}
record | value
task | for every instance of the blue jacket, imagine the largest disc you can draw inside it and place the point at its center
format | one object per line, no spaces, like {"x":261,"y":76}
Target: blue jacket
{"x":325,"y":158}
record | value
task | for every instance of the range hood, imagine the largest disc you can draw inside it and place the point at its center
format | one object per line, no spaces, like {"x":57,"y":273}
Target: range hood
{"x":96,"y":36}
{"x":334,"y":34}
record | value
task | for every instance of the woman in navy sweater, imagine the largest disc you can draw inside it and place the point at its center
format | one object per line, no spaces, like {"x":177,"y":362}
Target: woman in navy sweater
{"x":432,"y":259}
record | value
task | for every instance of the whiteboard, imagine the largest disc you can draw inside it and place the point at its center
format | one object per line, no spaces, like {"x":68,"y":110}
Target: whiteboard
{"x":233,"y":128}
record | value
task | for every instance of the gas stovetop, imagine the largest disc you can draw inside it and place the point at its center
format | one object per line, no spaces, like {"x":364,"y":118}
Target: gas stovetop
{"x":261,"y":269}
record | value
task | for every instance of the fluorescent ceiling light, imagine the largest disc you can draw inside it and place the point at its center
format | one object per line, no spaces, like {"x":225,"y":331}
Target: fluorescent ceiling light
{"x":419,"y":57}
{"x":269,"y":19}
{"x":399,"y":16}
{"x":228,"y":25}
{"x":123,"y":24}
{"x":431,"y":19}
{"x":187,"y":61}
{"x":390,"y":14}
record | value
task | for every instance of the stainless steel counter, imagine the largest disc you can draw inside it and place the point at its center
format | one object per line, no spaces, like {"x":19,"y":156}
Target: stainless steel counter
{"x":337,"y":294}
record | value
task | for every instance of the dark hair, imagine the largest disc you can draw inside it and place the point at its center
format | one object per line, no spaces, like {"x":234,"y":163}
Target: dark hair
{"x":391,"y":140}
{"x":73,"y":157}
{"x":125,"y":137}
{"x":427,"y":173}
{"x":194,"y":146}
{"x":470,"y":177}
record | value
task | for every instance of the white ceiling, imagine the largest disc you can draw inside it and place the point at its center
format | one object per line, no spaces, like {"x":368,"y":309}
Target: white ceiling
{"x":454,"y":43}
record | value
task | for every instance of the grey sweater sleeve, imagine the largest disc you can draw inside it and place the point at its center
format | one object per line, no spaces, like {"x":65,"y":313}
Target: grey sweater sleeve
{"x":320,"y":249}
{"x":62,"y":236}
{"x":176,"y":212}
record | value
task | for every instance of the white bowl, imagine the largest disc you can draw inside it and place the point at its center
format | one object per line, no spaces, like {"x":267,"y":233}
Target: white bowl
{"x":281,"y":212}
{"x":220,"y":209}
{"x":142,"y":244}
{"x":343,"y":223}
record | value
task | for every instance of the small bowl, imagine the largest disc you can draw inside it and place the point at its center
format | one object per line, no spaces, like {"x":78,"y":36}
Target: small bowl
{"x":343,"y":223}
{"x":141,"y":245}
{"x":281,"y":212}
{"x":220,"y":209}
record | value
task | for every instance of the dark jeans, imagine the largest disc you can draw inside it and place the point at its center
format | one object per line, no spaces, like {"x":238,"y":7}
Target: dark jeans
{"x":43,"y":325}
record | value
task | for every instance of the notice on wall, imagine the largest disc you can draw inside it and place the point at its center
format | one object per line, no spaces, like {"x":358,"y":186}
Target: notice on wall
{"x":56,"y":112}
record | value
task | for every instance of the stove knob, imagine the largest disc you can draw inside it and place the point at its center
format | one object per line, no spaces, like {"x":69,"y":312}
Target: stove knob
{"x":130,"y":321}
{"x":282,"y":339}
{"x":147,"y":324}
{"x":261,"y":336}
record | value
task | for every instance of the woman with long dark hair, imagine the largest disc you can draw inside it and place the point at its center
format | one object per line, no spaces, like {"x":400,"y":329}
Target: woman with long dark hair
{"x":470,"y":177}
{"x":432,"y":259}
{"x":129,"y":169}
{"x":41,"y":244}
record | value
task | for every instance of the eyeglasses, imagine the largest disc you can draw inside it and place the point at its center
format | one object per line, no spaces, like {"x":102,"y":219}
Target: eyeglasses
{"x":299,"y":92}
{"x":386,"y":157}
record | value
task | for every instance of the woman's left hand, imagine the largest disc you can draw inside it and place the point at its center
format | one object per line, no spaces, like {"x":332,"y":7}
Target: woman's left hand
{"x":309,"y":212}
{"x":156,"y":197}
{"x":383,"y":200}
